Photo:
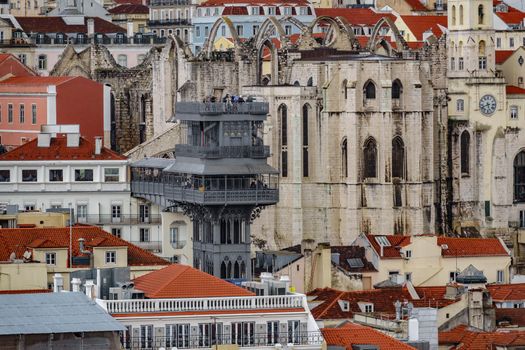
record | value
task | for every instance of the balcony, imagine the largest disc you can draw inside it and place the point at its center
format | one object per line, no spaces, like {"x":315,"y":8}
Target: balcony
{"x":222,"y":151}
{"x":169,"y":22}
{"x":239,"y":197}
{"x":154,"y":3}
{"x":257,"y":303}
{"x":151,"y":246}
{"x":178,"y":244}
{"x":300,"y":340}
{"x":218,"y":108}
{"x":108,"y":219}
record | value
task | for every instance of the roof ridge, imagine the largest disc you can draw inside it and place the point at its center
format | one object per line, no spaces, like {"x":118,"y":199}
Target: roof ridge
{"x":329,"y":306}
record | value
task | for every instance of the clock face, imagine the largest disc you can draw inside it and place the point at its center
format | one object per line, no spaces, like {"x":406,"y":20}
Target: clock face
{"x":487,"y":104}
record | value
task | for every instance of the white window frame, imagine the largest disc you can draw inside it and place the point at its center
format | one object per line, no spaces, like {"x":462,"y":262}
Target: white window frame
{"x":514,"y":112}
{"x":111,"y":256}
{"x":500,"y":276}
{"x":51,"y":258}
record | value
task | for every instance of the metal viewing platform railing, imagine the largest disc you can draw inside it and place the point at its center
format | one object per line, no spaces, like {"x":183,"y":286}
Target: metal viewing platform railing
{"x":218,"y":108}
{"x":183,"y":150}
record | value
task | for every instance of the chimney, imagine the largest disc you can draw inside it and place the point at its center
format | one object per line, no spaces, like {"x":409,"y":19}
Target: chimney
{"x":90,"y":27}
{"x":58,"y":283}
{"x":73,"y":140}
{"x":129,"y":26}
{"x":98,"y":145}
{"x":90,"y":289}
{"x":75,"y":285}
{"x":413,"y":330}
{"x":381,"y":250}
{"x":44,"y":140}
{"x":81,"y":244}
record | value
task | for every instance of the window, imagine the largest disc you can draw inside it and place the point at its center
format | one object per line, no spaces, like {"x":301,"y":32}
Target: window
{"x":56,"y":175}
{"x":22,"y":58}
{"x":84,"y":175}
{"x":243,"y":333}
{"x":33,"y":114}
{"x":206,"y":31}
{"x":453,"y":15}
{"x":174,"y":234}
{"x":498,"y":43}
{"x":82,"y":212}
{"x":511,"y":42}
{"x":465,"y":152}
{"x":144,"y":235}
{"x":408,"y":253}
{"x":398,"y":158}
{"x":283,"y":112}
{"x":29,"y":207}
{"x":116,"y":232}
{"x":306,"y":108}
{"x":481,"y":15}
{"x":223,"y":31}
{"x":29,"y":175}
{"x":240,"y":30}
{"x":288,"y":30}
{"x":461,"y":63}
{"x":42,"y":62}
{"x":370,"y":158}
{"x":0,"y":113}
{"x":271,"y":10}
{"x":111,"y":257}
{"x":146,"y":336}
{"x":22,"y":114}
{"x":519,"y":177}
{"x":51,"y":258}
{"x":344,"y":158}
{"x":369,"y":308}
{"x":513,"y":112}
{"x":293,"y":332}
{"x":144,"y":210}
{"x":5,"y":176}
{"x":9,"y":113}
{"x":460,"y":105}
{"x":116,"y":213}
{"x":178,"y":335}
{"x":397,"y":89}
{"x":460,"y":14}
{"x":452,"y":276}
{"x":369,"y":90}
{"x":408,"y":276}
{"x":452,"y":63}
{"x":197,"y":31}
{"x":482,"y":59}
{"x":122,"y":60}
{"x":501,"y":276}
{"x":111,"y":175}
{"x":272,"y":332}
{"x":59,"y":39}
{"x":520,"y":84}
{"x":255,"y":30}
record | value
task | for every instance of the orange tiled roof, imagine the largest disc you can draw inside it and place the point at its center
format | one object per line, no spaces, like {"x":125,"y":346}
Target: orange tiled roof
{"x":19,"y":239}
{"x":58,"y":150}
{"x":512,"y":316}
{"x":512,"y":17}
{"x":352,"y":334}
{"x":182,"y":281}
{"x":514,"y":90}
{"x":383,"y":300}
{"x":504,"y":292}
{"x":420,"y":24}
{"x":503,"y":55}
{"x":474,"y":339}
{"x":416,"y":5}
{"x":25,"y":291}
{"x":58,"y":25}
{"x":355,"y":16}
{"x":254,"y":2}
{"x":137,"y":9}
{"x":472,"y":247}
{"x":392,"y":251}
{"x":36,"y":80}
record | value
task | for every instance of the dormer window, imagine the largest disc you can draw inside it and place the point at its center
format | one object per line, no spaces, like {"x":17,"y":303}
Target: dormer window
{"x":345,"y":305}
{"x":59,"y":38}
{"x":208,"y":12}
{"x":255,"y":11}
{"x":111,"y":257}
{"x":271,"y":10}
{"x":51,"y":258}
{"x":287,"y":11}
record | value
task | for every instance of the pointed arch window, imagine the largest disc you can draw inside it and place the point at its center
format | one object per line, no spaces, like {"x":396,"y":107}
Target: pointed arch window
{"x":344,"y":158}
{"x":370,"y":158}
{"x":397,"y":89}
{"x":369,"y":90}
{"x":236,"y":270}
{"x":465,"y":152}
{"x":345,"y":89}
{"x":283,"y":113}
{"x":398,"y":158}
{"x":482,"y":58}
{"x":453,"y":15}
{"x":460,"y":15}
{"x":306,"y":109}
{"x":481,"y":14}
{"x":519,"y":177}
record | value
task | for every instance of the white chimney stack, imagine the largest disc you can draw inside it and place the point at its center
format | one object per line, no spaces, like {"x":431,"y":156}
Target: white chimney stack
{"x":129,"y":26}
{"x":413,"y":329}
{"x":58,"y":283}
{"x":90,"y":27}
{"x":98,"y":145}
{"x":44,"y":140}
{"x":90,"y":289}
{"x":75,"y":285}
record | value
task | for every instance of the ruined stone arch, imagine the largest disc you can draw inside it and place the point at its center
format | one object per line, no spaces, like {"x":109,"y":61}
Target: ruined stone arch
{"x":342,"y":31}
{"x":373,"y":41}
{"x":208,"y":44}
{"x":264,"y":32}
{"x":274,"y":62}
{"x":181,"y":46}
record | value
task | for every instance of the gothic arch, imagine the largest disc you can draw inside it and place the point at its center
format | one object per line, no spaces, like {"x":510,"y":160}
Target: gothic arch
{"x":372,"y":42}
{"x":274,"y":62}
{"x":181,"y":46}
{"x":267,"y":25}
{"x":208,"y":44}
{"x":345,"y":25}
{"x":340,"y":27}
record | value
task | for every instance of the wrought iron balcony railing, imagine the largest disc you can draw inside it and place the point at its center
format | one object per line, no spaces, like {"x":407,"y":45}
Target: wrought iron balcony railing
{"x":152,"y":246}
{"x":169,"y":22}
{"x":154,"y":3}
{"x":133,"y":219}
{"x":183,"y":150}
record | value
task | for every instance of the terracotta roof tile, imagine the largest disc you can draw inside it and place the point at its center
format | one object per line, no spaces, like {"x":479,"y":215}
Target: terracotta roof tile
{"x":352,"y":334}
{"x":514,"y":90}
{"x":503,"y":55}
{"x":57,"y":25}
{"x":58,"y":150}
{"x":416,"y":5}
{"x":181,"y":281}
{"x":254,"y":2}
{"x":135,"y":9}
{"x":25,"y":291}
{"x":474,"y":339}
{"x":391,"y":251}
{"x":420,"y":24}
{"x":17,"y":240}
{"x":507,"y":292}
{"x":355,"y":16}
{"x":36,"y":80}
{"x":472,"y":247}
{"x":512,"y":17}
{"x":235,"y":10}
{"x":512,"y":316}
{"x":352,"y":252}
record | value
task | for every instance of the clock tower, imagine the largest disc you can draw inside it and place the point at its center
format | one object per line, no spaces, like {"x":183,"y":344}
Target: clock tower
{"x":476,"y":111}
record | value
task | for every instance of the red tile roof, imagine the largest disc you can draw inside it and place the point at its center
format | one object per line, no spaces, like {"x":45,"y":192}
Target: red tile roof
{"x":57,"y":25}
{"x":235,"y":11}
{"x":416,"y":5}
{"x":512,"y":17}
{"x":420,"y":24}
{"x":255,"y":2}
{"x":383,"y":300}
{"x":514,"y":90}
{"x":136,"y":2}
{"x":124,"y":9}
{"x":181,"y":281}
{"x":507,"y":292}
{"x":18,"y":240}
{"x":474,"y":339}
{"x":355,"y":16}
{"x":36,"y":80}
{"x":510,"y":316}
{"x":503,"y":55}
{"x":393,"y":250}
{"x":352,"y":334}
{"x":25,"y":291}
{"x":58,"y":150}
{"x":472,"y":247}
